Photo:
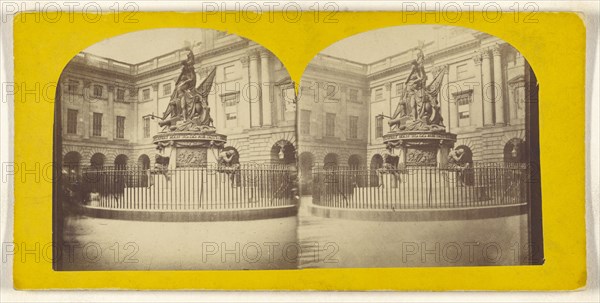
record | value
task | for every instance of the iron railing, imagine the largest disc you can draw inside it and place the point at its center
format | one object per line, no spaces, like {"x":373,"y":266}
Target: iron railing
{"x":211,"y":187}
{"x":419,"y":187}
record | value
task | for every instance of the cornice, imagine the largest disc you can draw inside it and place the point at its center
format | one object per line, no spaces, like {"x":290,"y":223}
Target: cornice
{"x":428,"y":59}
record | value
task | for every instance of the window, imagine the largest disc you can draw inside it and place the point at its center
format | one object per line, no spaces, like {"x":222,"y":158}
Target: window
{"x":289,"y":99}
{"x":379,"y":94}
{"x":463,"y":98}
{"x":379,"y":127}
{"x":72,"y":121}
{"x":230,"y":101}
{"x":120,"y":127}
{"x":229,"y":72}
{"x":305,"y":122}
{"x":462,"y":72}
{"x":73,"y":86}
{"x":329,"y":125}
{"x":120,"y":94}
{"x":519,"y":100}
{"x":464,"y":114}
{"x":166,"y":89}
{"x":97,"y":125}
{"x":399,"y":89}
{"x":463,"y":101}
{"x":353,"y":127}
{"x":98,"y":90}
{"x":146,"y":94}
{"x":146,"y":127}
{"x":353,"y":95}
{"x":332,"y":92}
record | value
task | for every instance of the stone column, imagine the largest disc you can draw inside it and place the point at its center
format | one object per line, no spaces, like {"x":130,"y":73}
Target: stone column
{"x":254,"y":90}
{"x":477,"y":106}
{"x":487,"y":85}
{"x":111,"y":119}
{"x":135,"y":136}
{"x":498,"y":85}
{"x":244,"y":106}
{"x":265,"y":88}
{"x":452,"y":110}
{"x":86,"y":115}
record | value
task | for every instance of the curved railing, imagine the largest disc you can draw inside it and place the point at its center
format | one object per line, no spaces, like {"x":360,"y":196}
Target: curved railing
{"x":201,"y":188}
{"x":419,"y":187}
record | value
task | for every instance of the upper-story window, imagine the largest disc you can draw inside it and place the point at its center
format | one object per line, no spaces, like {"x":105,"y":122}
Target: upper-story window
{"x":379,"y":127}
{"x":166,"y":89}
{"x":72,"y":121}
{"x":146,"y":127}
{"x":462,"y":71}
{"x":353,"y":95}
{"x":229,"y":72}
{"x":305,"y":122}
{"x":120,"y":94}
{"x":230,"y":102}
{"x":120,"y":127}
{"x":230,"y":99}
{"x":146,"y":94}
{"x":463,"y":103}
{"x":332,"y":92}
{"x":399,"y":89}
{"x":97,"y":125}
{"x":379,"y":94}
{"x":98,"y":90}
{"x":329,"y":125}
{"x":353,"y":127}
{"x":73,"y":86}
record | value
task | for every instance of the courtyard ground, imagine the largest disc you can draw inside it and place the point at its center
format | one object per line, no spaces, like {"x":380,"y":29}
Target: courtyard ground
{"x":352,"y":243}
{"x":104,"y":244}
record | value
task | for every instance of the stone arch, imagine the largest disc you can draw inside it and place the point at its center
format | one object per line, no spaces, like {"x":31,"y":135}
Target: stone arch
{"x":97,"y":160}
{"x":468,"y":153}
{"x":355,"y":161}
{"x":515,"y":151}
{"x":72,"y":163}
{"x":143,"y":161}
{"x":376,"y":163}
{"x":283,"y":152}
{"x":121,"y":161}
{"x":331,"y":160}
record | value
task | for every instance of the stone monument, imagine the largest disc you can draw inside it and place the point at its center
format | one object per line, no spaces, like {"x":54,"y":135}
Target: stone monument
{"x":188,"y":137}
{"x":418,"y":136}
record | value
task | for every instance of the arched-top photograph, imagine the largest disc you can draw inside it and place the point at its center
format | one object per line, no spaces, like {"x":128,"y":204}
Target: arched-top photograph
{"x":428,"y":123}
{"x":175,"y":125}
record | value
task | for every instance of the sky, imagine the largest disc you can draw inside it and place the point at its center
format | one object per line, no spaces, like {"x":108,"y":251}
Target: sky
{"x":366,"y":47}
{"x":374,"y":45}
{"x":140,"y":46}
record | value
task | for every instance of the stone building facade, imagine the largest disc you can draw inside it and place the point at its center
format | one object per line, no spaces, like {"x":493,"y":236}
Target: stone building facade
{"x":483,"y":99}
{"x":107,"y":105}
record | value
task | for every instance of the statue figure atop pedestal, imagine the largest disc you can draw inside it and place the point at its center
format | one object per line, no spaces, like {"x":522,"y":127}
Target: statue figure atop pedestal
{"x":418,"y":135}
{"x":418,"y":108}
{"x":188,"y":138}
{"x":188,"y":108}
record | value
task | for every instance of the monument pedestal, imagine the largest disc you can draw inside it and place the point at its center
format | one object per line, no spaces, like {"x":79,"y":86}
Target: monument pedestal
{"x":189,"y":149}
{"x":420,"y":148}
